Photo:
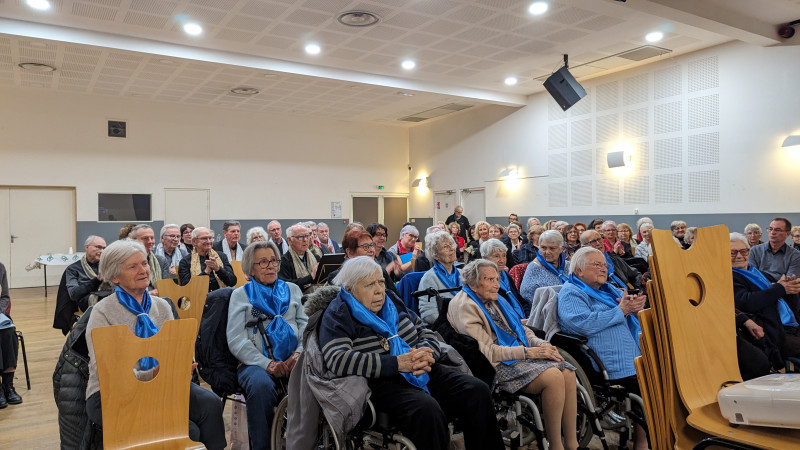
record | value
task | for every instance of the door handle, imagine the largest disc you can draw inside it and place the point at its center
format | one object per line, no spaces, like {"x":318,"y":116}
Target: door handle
{"x":13,"y":237}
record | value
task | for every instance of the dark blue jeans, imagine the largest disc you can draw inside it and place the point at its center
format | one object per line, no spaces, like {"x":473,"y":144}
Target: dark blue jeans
{"x":259,"y":391}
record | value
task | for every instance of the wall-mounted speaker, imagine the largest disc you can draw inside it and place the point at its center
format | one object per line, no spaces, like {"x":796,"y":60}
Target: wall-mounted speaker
{"x":564,"y":88}
{"x":117,"y":129}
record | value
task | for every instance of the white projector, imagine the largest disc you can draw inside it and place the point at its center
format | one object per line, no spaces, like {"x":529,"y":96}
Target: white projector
{"x":768,"y":401}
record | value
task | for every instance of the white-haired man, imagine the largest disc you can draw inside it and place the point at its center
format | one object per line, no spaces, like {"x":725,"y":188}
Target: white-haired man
{"x":298,"y":265}
{"x":83,"y":287}
{"x":205,"y":261}
{"x":168,"y":247}
{"x":324,"y":238}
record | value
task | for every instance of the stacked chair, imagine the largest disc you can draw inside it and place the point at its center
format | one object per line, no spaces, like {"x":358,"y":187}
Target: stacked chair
{"x":189,"y":300}
{"x":688,"y":345}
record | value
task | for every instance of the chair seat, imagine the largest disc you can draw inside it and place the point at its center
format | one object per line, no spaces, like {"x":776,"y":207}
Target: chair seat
{"x":709,"y":420}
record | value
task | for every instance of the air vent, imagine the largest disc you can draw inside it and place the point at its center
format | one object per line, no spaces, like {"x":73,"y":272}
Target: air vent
{"x":643,"y":52}
{"x":612,"y":61}
{"x":117,"y":129}
{"x":435,"y":112}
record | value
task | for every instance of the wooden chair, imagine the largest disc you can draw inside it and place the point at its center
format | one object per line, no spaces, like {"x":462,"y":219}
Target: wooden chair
{"x":153,"y":414}
{"x":189,"y":300}
{"x":696,"y":305}
{"x":241,"y":279}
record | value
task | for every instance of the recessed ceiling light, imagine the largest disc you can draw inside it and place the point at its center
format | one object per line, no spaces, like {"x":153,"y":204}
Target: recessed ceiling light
{"x":41,"y":5}
{"x":538,"y":8}
{"x":193,"y":29}
{"x":408,"y":64}
{"x":654,"y":36}
{"x":510,"y":81}
{"x":358,"y":18}
{"x":313,"y":49}
{"x":405,"y":94}
{"x":36,"y":67}
{"x":241,"y":90}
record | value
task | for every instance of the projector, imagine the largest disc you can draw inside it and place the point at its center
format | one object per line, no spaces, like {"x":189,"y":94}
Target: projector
{"x":768,"y":401}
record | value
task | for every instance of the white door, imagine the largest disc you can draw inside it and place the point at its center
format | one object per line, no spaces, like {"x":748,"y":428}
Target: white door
{"x":187,"y":206}
{"x":41,"y":221}
{"x":474,"y":203}
{"x":443,"y":204}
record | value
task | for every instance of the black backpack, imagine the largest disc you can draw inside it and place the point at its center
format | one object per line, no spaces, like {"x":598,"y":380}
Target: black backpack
{"x":215,"y":362}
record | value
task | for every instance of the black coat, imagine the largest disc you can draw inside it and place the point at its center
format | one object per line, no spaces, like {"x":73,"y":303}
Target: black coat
{"x":463,"y":223}
{"x":225,"y":273}
{"x":625,"y":272}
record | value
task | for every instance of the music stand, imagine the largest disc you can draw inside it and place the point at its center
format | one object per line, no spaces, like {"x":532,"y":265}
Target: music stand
{"x":326,"y":265}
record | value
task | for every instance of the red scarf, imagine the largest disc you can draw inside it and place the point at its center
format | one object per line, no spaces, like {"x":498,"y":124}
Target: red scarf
{"x":401,"y":250}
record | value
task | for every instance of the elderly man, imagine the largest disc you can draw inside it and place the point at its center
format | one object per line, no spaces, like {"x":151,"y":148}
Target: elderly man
{"x":168,"y":247}
{"x":232,"y":231}
{"x":324,"y":238}
{"x":315,"y":246}
{"x":298,"y":265}
{"x":459,"y":217}
{"x":205,"y":261}
{"x":678,"y":228}
{"x":776,"y":258}
{"x":159,"y":266}
{"x":753,"y":233}
{"x":274,"y":230}
{"x":620,"y":273}
{"x":83,"y":286}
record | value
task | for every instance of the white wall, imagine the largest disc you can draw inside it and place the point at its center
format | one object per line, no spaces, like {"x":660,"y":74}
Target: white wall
{"x":257,"y":165}
{"x":673,"y":127}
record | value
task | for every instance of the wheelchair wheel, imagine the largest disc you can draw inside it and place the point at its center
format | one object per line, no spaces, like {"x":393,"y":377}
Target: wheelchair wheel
{"x":585,"y":405}
{"x":325,"y":437}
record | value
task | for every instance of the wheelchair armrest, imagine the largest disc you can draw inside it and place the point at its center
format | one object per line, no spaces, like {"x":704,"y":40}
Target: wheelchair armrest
{"x":568,"y":339}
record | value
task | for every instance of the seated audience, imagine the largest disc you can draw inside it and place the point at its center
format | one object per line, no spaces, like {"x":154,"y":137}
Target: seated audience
{"x":366,"y":333}
{"x":496,"y":252}
{"x":550,"y":267}
{"x":324,"y":238}
{"x":571,"y":240}
{"x":408,"y":244}
{"x":314,"y":245}
{"x":645,"y":248}
{"x":186,"y":238}
{"x":125,"y":231}
{"x":691,"y":235}
{"x":256,"y":234}
{"x":772,"y":305}
{"x":678,"y":228}
{"x":620,"y":273}
{"x":596,"y":225}
{"x":531,"y":222}
{"x":361,"y":243}
{"x":274,"y":230}
{"x":168,"y":247}
{"x":753,"y":233}
{"x":261,"y":363}
{"x":481,"y":236}
{"x":753,"y":361}
{"x":581,"y":227}
{"x":522,"y":361}
{"x":463,"y":223}
{"x":625,"y":235}
{"x":299,"y":265}
{"x":589,"y":306}
{"x":389,"y":261}
{"x":444,"y":275}
{"x":530,"y":249}
{"x":461,"y":244}
{"x":513,"y":239}
{"x":159,"y":266}
{"x":125,"y":264}
{"x":232,"y":232}
{"x":9,"y":347}
{"x":775,"y":258}
{"x":205,"y":261}
{"x":496,"y":232}
{"x":559,"y":226}
{"x":611,"y":243}
{"x":796,"y":237}
{"x":512,"y":218}
{"x":358,"y":226}
{"x":550,"y":224}
{"x":83,"y":284}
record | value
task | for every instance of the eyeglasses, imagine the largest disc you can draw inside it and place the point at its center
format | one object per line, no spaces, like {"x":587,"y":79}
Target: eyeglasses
{"x":742,"y":252}
{"x":265,"y":263}
{"x":380,"y":234}
{"x":777,"y":230}
{"x":597,"y":265}
{"x":302,"y":237}
{"x":543,"y":248}
{"x":173,"y":236}
{"x":796,"y":236}
{"x":412,"y":236}
{"x":207,"y":238}
{"x":99,"y":247}
{"x":367,"y":246}
{"x":610,"y":230}
{"x":595,"y":241}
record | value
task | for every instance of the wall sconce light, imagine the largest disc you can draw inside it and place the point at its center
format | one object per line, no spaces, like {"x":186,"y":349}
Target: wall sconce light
{"x":507,"y":172}
{"x":422,"y":183}
{"x":791,"y":141}
{"x":620,"y":159}
{"x":615,"y":159}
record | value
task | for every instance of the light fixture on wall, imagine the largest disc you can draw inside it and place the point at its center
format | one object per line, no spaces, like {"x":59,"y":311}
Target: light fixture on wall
{"x":510,"y":177}
{"x":615,"y":159}
{"x":620,"y":159}
{"x":421,"y":182}
{"x":791,"y":141}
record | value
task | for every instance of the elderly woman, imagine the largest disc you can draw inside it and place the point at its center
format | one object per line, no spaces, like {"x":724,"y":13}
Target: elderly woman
{"x":496,"y":232}
{"x":455,"y":229}
{"x":530,"y":249}
{"x":262,"y":362}
{"x":124,"y":264}
{"x":753,"y":233}
{"x":796,"y":237}
{"x":572,"y":240}
{"x":442,"y":254}
{"x":256,"y":234}
{"x":691,"y":235}
{"x":365,"y":333}
{"x":521,"y":360}
{"x":772,"y":305}
{"x":625,"y":235}
{"x":496,"y":252}
{"x":481,"y":235}
{"x":361,"y":243}
{"x":611,"y":242}
{"x":514,"y":240}
{"x":645,"y":248}
{"x":589,"y":306}
{"x":407,"y":244}
{"x":549,"y":268}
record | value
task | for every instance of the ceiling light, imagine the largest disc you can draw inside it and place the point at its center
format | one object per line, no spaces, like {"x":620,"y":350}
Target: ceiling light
{"x":241,"y":90}
{"x":408,"y":64}
{"x":654,"y":36}
{"x":36,"y":67}
{"x":405,"y":94}
{"x":538,"y":8}
{"x":511,"y":81}
{"x":41,"y":5}
{"x":313,"y":49}
{"x":193,"y":29}
{"x":358,"y":18}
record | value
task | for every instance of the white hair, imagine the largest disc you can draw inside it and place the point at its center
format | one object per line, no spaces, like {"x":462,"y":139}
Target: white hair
{"x":253,"y":232}
{"x":471,"y":273}
{"x":141,"y":226}
{"x":491,"y":246}
{"x":432,"y":241}
{"x":552,"y":236}
{"x":290,"y":231}
{"x":115,"y":255}
{"x":579,"y":258}
{"x":167,"y":227}
{"x":354,"y":270}
{"x":409,"y":229}
{"x":740,"y":237}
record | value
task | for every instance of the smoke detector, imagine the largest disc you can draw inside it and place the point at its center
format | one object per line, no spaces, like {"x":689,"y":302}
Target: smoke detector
{"x":358,"y":19}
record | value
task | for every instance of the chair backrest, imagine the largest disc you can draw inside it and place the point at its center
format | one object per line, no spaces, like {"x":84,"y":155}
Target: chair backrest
{"x":189,"y":300}
{"x":154,"y":412}
{"x":241,"y":280}
{"x":517,"y":272}
{"x":408,"y":284}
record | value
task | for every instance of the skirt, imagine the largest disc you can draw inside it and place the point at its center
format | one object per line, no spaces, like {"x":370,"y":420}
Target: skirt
{"x":9,"y":346}
{"x":511,"y":378}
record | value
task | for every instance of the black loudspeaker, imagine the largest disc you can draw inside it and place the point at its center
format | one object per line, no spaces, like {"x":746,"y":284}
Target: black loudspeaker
{"x":564,"y":88}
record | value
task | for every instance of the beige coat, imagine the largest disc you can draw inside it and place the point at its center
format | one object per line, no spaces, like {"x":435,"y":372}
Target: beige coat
{"x":467,"y":318}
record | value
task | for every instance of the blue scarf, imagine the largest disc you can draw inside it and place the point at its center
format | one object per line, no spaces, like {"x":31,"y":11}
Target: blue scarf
{"x":757,"y":278}
{"x":514,"y":322}
{"x":385,"y":324}
{"x":505,"y":285}
{"x":451,"y":280}
{"x":274,"y":302}
{"x":617,"y":280}
{"x":144,"y":324}
{"x":561,"y":263}
{"x":607,"y":295}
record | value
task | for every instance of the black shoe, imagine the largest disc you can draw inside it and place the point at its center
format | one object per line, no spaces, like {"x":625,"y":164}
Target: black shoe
{"x":3,"y":401}
{"x":11,"y":395}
